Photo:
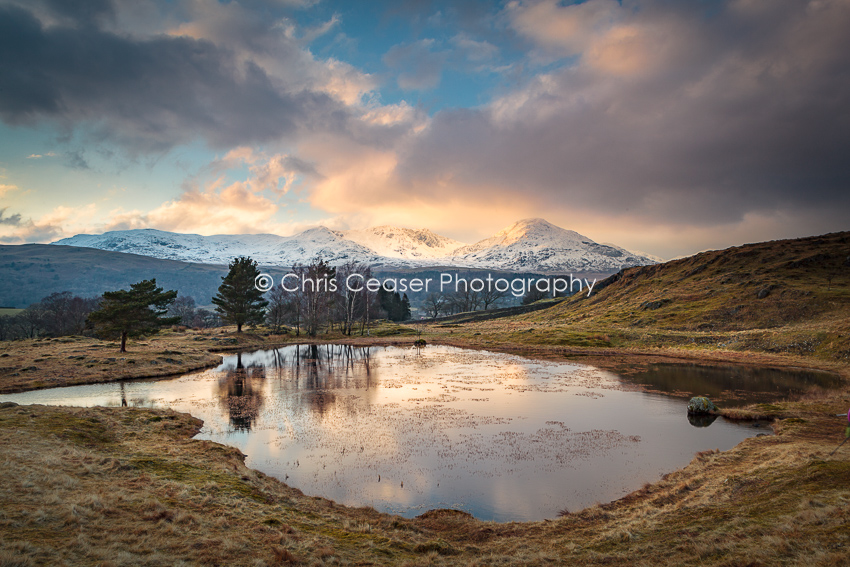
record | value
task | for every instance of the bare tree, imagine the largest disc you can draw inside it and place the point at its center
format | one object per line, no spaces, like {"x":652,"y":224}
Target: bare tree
{"x":464,"y":300}
{"x":491,"y":296}
{"x":434,"y":304}
{"x":318,"y":295}
{"x":30,"y":321}
{"x":279,"y":309}
{"x":65,"y":314}
{"x":184,"y":308}
{"x":353,"y":295}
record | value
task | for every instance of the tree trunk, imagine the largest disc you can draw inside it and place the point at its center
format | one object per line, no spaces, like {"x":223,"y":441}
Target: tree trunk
{"x":123,"y":341}
{"x":238,"y":327}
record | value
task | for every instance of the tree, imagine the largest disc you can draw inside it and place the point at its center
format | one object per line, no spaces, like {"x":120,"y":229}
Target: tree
{"x":434,"y":304}
{"x":280,"y":305}
{"x":135,"y":312}
{"x":30,"y":321}
{"x":533,"y":294}
{"x":238,"y":300}
{"x":353,"y":296}
{"x":405,"y":308}
{"x":184,"y":309}
{"x":492,"y":296}
{"x":317,"y":292}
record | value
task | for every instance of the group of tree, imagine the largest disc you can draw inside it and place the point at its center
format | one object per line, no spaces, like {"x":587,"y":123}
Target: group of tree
{"x":317,"y":296}
{"x":192,"y":316}
{"x":397,"y":307}
{"x":465,"y":299}
{"x":56,"y":315}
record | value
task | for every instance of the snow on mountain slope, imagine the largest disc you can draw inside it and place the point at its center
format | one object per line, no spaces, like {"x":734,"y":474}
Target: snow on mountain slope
{"x":218,"y":249}
{"x":537,"y":245}
{"x":531,"y":245}
{"x":395,"y":242}
{"x":266,"y":249}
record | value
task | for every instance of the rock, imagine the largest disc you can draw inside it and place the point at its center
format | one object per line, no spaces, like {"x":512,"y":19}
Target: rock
{"x":765,"y":291}
{"x":652,"y":305}
{"x":4,"y":405}
{"x":700,"y":405}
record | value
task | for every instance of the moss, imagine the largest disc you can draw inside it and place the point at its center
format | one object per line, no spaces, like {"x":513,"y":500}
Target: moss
{"x":438,"y":546}
{"x":197,"y":477}
{"x":87,"y":431}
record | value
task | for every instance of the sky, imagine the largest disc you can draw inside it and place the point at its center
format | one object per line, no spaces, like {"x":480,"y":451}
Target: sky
{"x":662,"y":126}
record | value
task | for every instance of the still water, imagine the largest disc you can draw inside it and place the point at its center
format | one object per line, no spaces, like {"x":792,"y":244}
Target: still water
{"x":405,"y":430}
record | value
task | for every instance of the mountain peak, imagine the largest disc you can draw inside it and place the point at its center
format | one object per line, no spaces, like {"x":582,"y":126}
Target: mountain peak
{"x":536,"y":229}
{"x":528,"y":245}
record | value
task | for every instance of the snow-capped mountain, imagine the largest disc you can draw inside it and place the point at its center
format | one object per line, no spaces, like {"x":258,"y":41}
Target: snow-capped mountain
{"x":395,"y":242}
{"x":537,"y":245}
{"x":530,"y":245}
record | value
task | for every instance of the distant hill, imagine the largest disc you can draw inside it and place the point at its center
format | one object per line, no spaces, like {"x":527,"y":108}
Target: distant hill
{"x":29,"y":272}
{"x":755,"y":286}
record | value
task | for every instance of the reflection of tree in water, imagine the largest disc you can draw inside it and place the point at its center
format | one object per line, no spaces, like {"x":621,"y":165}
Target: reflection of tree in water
{"x":241,"y":393}
{"x":315,"y":371}
{"x":312,"y":372}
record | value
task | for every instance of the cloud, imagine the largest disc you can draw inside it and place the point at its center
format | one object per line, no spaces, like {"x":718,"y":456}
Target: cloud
{"x":666,"y":117}
{"x":51,"y":226}
{"x":13,"y":220}
{"x":251,"y":84}
{"x":564,"y":29}
{"x":474,"y":50}
{"x":418,"y":66}
{"x":75,"y":160}
{"x":664,"y":127}
{"x":6,"y":188}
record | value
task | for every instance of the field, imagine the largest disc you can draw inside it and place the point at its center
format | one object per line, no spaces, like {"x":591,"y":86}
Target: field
{"x":127,"y":486}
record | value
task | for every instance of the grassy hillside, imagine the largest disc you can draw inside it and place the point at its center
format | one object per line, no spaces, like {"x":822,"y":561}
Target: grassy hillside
{"x":788,"y":297}
{"x":755,"y":286}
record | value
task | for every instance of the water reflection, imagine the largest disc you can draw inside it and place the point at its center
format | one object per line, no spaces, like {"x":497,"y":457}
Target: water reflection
{"x":310,"y":372}
{"x":241,"y":392}
{"x":701,"y":420}
{"x":729,"y":384}
{"x":501,"y":436}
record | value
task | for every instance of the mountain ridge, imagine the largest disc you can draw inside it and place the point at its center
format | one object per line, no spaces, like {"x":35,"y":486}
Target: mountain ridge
{"x":529,"y":244}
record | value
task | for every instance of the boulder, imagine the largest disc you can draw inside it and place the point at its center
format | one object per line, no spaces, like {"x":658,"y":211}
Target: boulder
{"x":700,"y":405}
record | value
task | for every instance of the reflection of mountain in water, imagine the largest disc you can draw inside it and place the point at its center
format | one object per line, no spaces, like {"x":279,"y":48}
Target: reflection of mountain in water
{"x":738,"y":384}
{"x":314,"y":371}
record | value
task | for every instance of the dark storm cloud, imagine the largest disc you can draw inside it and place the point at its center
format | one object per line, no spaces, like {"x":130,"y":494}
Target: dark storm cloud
{"x":673,"y":116}
{"x":147,"y":94}
{"x":76,"y":160}
{"x":82,"y":10}
{"x":13,"y":220}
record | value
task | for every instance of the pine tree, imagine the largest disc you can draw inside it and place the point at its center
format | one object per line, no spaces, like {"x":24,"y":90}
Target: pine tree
{"x":135,"y":312}
{"x":238,"y":300}
{"x":405,"y":308}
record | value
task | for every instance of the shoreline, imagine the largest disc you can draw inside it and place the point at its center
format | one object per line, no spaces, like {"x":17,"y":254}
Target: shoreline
{"x":603,"y":357}
{"x":780,"y":472}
